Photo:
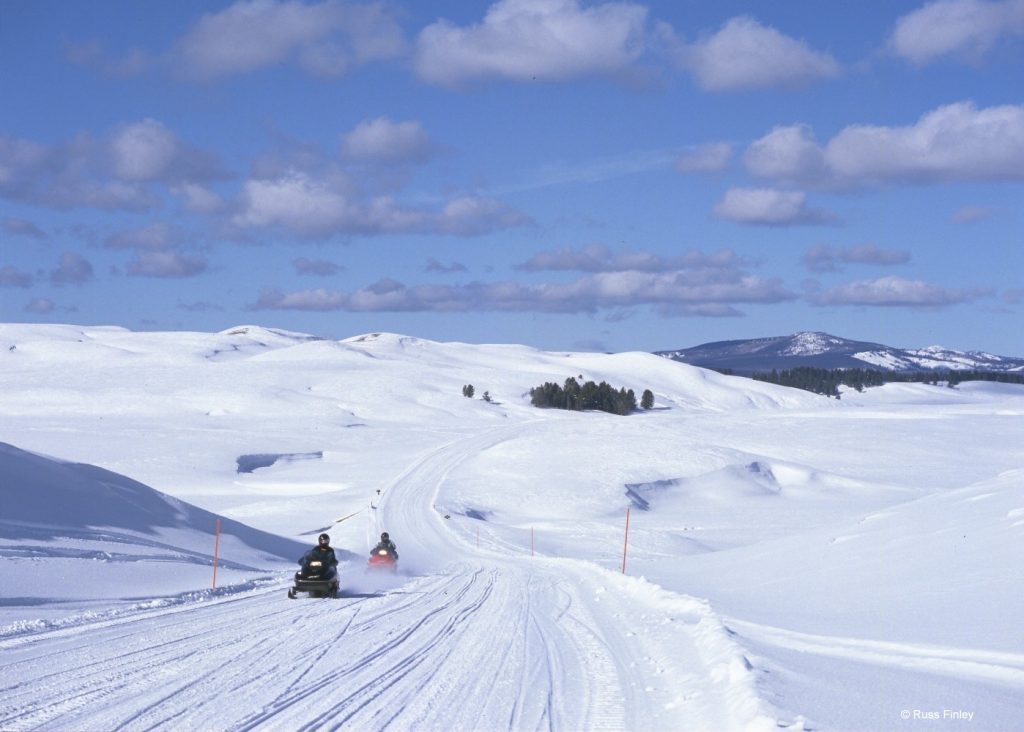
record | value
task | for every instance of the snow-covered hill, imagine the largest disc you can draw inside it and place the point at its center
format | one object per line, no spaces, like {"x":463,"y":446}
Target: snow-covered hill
{"x":821,"y":350}
{"x":792,"y":560}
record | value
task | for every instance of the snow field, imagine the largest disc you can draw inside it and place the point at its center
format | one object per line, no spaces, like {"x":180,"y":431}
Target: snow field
{"x":801,"y":562}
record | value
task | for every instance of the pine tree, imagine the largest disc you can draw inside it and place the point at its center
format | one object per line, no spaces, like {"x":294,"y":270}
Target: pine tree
{"x":647,"y":399}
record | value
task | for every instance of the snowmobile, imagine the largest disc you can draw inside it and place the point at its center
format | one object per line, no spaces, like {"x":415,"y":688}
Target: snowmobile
{"x":382,"y":560}
{"x":315,"y":578}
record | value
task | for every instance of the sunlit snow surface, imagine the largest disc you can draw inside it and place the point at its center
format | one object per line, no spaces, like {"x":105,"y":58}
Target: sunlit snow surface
{"x":792,"y":560}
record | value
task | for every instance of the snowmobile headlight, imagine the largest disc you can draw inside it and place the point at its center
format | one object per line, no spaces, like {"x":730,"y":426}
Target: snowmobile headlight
{"x":383,"y":552}
{"x":316,"y":564}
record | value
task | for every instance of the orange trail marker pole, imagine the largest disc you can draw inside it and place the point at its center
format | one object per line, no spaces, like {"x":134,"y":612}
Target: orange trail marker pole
{"x":216,"y":547}
{"x":625,"y":544}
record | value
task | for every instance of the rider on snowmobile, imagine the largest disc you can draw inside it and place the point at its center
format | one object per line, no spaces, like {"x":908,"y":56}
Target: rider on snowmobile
{"x":387,"y":545}
{"x":321,"y":551}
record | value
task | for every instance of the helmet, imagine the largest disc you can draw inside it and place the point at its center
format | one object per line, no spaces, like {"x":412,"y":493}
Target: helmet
{"x":384,"y":536}
{"x":324,"y":540}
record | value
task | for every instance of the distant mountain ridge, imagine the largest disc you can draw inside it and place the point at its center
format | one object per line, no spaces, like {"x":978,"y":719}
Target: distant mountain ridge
{"x":822,"y":350}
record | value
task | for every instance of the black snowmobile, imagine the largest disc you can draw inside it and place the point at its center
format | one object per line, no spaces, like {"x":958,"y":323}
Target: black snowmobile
{"x":319,"y":572}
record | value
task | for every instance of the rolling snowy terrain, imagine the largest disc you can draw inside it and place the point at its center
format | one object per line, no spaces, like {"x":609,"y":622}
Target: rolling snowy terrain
{"x":793,"y":561}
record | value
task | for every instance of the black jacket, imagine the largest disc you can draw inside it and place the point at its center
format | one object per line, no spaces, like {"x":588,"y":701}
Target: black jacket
{"x":324,"y":555}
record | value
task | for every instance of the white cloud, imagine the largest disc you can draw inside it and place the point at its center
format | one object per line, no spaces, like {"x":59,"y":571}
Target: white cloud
{"x":476,"y":215}
{"x":111,"y":173}
{"x":316,"y":267}
{"x":148,"y":151}
{"x":823,"y":258}
{"x":166,"y":264}
{"x":133,"y":63}
{"x":66,"y":175}
{"x":672,"y":293}
{"x":316,"y":208}
{"x":966,"y":28}
{"x":40,"y":306}
{"x":297,"y":202}
{"x":895,"y":292}
{"x":951,"y":143}
{"x":770,"y":207}
{"x":319,"y":299}
{"x":522,"y":40}
{"x":747,"y":55}
{"x":21,"y":227}
{"x":11,"y":277}
{"x":382,"y":140}
{"x":156,"y":236}
{"x":789,"y":154}
{"x":326,"y":38}
{"x":72,"y":269}
{"x":198,"y":199}
{"x":599,"y":258}
{"x":711,"y":158}
{"x":972,"y":214}
{"x":433,"y":265}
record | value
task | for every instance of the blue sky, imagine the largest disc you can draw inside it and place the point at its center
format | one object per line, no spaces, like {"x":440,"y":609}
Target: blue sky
{"x":560,"y":173}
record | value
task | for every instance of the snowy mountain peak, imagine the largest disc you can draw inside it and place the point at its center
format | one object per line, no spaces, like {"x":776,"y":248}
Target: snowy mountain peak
{"x":822,"y":350}
{"x":811,"y":343}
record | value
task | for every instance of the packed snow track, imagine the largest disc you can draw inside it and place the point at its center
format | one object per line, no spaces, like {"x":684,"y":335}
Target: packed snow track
{"x":491,"y":641}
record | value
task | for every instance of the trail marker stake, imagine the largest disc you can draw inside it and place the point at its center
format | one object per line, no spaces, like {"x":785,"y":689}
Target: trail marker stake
{"x":531,"y":541}
{"x":216,"y":547}
{"x":625,"y":544}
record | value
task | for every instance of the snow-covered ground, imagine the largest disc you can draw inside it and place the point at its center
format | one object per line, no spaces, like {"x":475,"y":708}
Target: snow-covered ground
{"x":793,"y":561}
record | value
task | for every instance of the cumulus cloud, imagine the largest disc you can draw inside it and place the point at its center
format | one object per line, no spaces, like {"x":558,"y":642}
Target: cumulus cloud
{"x":198,"y":199}
{"x":156,"y":236}
{"x":11,"y":277}
{"x":148,"y":151}
{"x":672,"y":293}
{"x":523,"y":40}
{"x":298,"y":202}
{"x":72,"y":269}
{"x":320,"y":207}
{"x":972,"y":214}
{"x":325,"y":39}
{"x":770,"y":207}
{"x":111,"y":173}
{"x":21,"y":227}
{"x":896,"y":292}
{"x":951,"y":143}
{"x":94,"y":54}
{"x":963,"y":28}
{"x":381,"y":140}
{"x":711,"y":158}
{"x":66,"y":175}
{"x":599,"y":258}
{"x":745,"y":54}
{"x":822,"y":258}
{"x":316,"y":267}
{"x":433,"y":265}
{"x":166,"y":264}
{"x":40,"y":306}
{"x":200,"y":306}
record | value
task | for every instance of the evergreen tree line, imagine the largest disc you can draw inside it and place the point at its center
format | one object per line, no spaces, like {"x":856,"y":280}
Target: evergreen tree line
{"x":576,"y":397}
{"x":827,"y":381}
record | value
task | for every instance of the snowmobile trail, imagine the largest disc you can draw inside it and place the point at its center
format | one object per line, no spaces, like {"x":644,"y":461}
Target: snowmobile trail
{"x":488,"y":641}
